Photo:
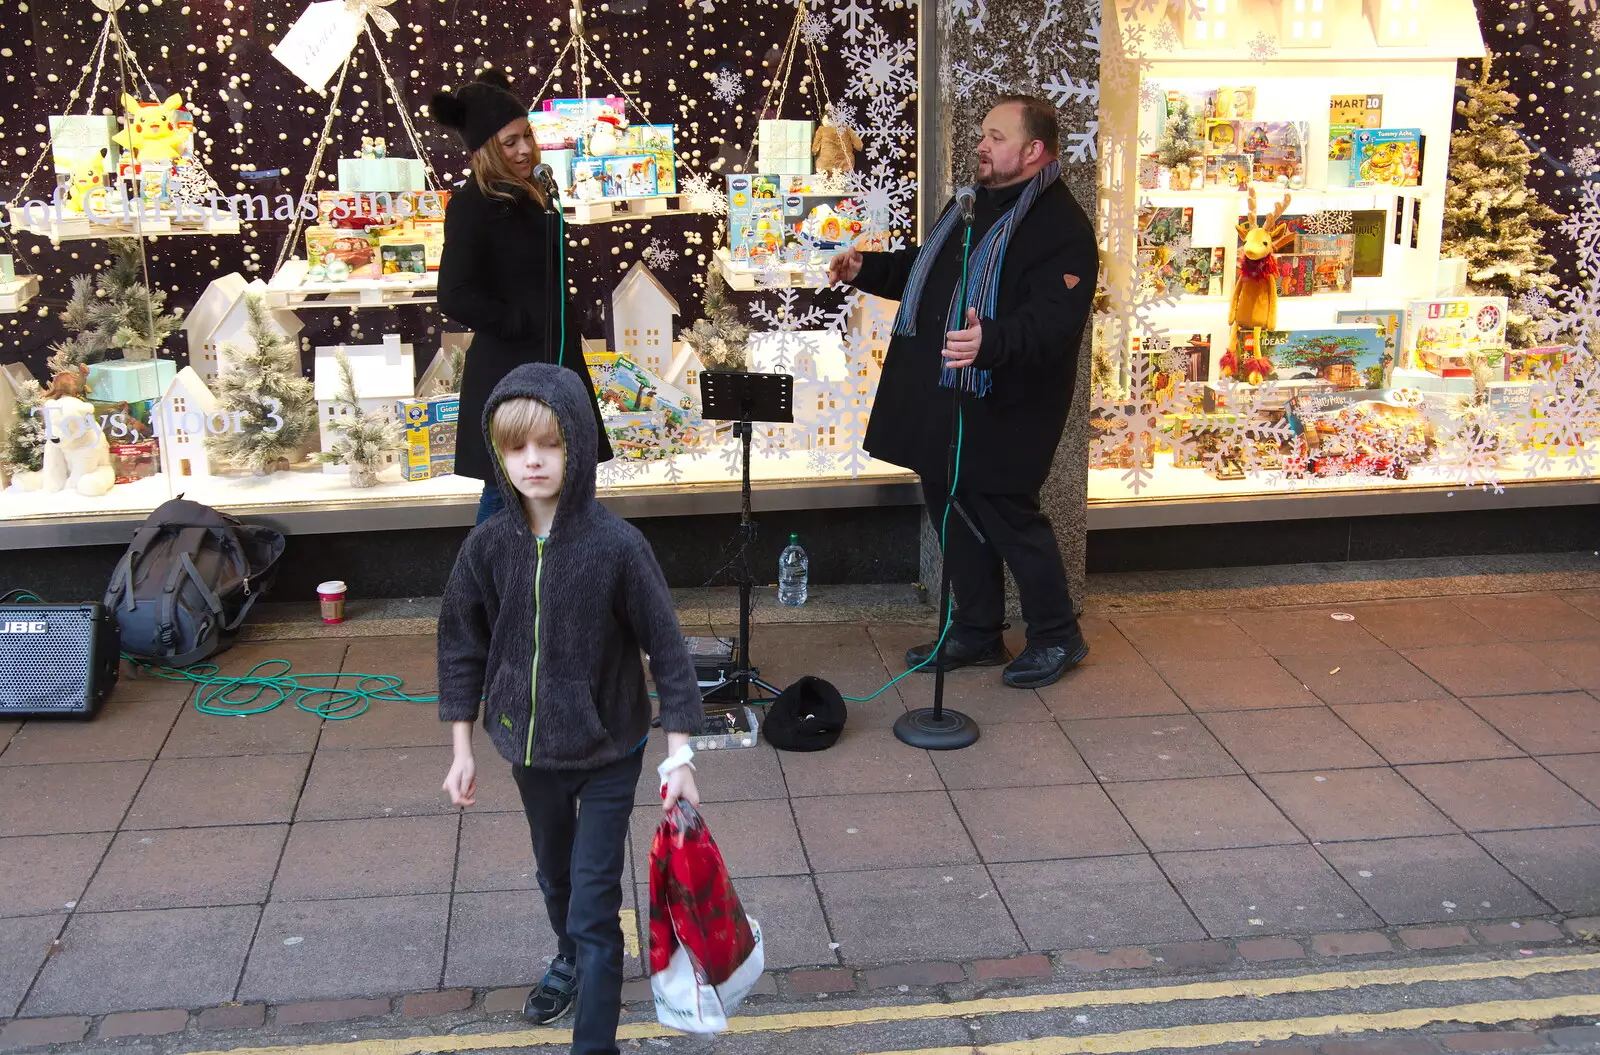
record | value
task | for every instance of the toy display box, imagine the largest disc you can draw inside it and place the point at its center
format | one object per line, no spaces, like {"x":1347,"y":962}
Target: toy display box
{"x":135,"y":460}
{"x":402,"y":256}
{"x":370,"y":175}
{"x":1536,"y":364}
{"x":430,"y":429}
{"x":1386,"y":157}
{"x":616,"y":176}
{"x":755,"y":219}
{"x":659,"y":141}
{"x":629,"y":388}
{"x":125,"y":381}
{"x":77,"y":141}
{"x":1440,"y":333}
{"x":784,"y":147}
{"x":1346,"y":357}
{"x":1276,"y":149}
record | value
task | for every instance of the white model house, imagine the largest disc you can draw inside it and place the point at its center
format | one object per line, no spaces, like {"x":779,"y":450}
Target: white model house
{"x":641,"y":320}
{"x":824,"y":386}
{"x":683,"y":373}
{"x":186,"y":411}
{"x":220,"y":318}
{"x":383,"y":373}
{"x":437,"y":379}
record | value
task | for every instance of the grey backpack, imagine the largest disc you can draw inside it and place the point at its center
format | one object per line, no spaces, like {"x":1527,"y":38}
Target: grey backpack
{"x":184,"y":587}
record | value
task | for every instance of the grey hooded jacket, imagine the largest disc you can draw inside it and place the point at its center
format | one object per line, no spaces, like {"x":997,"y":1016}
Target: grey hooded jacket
{"x":547,"y":633}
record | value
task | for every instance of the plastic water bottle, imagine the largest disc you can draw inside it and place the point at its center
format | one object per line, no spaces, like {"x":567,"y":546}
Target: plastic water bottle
{"x":794,"y":572}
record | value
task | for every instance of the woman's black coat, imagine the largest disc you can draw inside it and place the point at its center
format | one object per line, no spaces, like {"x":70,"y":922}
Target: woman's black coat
{"x":1009,"y":436}
{"x":495,"y":279}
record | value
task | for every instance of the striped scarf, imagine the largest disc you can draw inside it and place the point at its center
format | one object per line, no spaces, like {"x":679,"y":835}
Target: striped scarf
{"x":983,"y":276}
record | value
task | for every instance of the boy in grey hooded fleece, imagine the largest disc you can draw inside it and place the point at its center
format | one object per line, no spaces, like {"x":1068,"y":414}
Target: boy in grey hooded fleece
{"x":547,"y":634}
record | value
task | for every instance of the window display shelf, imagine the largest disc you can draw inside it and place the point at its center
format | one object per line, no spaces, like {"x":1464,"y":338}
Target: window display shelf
{"x":619,"y":210}
{"x":74,"y":228}
{"x":312,"y":500}
{"x":14,"y":295}
{"x":779,"y":276}
{"x":1266,"y":191}
{"x":289,"y":290}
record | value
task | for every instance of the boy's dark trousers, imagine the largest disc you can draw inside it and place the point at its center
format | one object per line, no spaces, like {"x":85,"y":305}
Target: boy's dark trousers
{"x":579,"y":853}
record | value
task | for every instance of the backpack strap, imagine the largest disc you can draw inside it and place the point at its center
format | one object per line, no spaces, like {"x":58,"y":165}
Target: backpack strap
{"x":188,"y":541}
{"x":122,"y":576}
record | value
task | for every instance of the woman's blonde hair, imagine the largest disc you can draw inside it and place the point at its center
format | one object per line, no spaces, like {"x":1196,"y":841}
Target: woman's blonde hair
{"x":522,"y":419}
{"x":493,"y":174}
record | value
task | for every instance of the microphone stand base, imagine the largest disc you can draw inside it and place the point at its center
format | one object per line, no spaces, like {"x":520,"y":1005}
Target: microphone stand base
{"x":947,"y":731}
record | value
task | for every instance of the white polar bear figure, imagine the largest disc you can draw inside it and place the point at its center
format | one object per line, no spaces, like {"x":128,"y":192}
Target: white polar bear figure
{"x":76,"y":454}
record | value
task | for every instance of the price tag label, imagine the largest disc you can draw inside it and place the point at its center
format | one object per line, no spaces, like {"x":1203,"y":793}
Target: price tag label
{"x":319,"y":42}
{"x":372,"y":298}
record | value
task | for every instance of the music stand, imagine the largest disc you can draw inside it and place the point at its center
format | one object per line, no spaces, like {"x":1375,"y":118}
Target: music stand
{"x":744,"y":398}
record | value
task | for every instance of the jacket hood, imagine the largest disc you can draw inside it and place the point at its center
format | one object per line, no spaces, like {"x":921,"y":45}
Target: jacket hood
{"x":561,"y":390}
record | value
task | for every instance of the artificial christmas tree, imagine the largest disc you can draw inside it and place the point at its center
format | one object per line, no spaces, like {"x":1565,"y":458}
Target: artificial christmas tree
{"x":23,"y":450}
{"x":1492,"y":218}
{"x":1179,"y":143}
{"x":719,"y":339}
{"x":365,"y":438}
{"x":113,"y":310}
{"x":264,"y":383}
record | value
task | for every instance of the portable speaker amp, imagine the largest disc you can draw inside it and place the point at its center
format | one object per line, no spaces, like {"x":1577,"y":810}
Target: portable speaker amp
{"x":56,"y":659}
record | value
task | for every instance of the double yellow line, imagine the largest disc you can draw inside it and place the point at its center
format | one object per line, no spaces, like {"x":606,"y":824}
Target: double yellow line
{"x":1196,"y":1036}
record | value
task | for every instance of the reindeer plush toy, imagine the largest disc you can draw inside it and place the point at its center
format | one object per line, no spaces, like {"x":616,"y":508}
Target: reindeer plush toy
{"x":1255,"y":290}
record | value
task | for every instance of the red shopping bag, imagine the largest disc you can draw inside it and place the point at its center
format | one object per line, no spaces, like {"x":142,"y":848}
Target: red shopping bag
{"x":705,"y":953}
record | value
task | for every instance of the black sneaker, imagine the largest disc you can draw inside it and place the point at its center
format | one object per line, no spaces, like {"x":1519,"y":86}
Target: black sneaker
{"x":552,"y":997}
{"x":957,"y":654}
{"x":1040,"y":666}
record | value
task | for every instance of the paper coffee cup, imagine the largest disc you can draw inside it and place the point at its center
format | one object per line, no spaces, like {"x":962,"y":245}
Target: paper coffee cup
{"x":331,"y":594}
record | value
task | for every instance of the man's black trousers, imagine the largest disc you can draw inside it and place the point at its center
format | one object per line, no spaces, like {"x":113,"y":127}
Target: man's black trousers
{"x":579,"y":858}
{"x":1016,"y":534}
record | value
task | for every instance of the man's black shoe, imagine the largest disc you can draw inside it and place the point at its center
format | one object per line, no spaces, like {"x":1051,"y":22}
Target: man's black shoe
{"x":957,"y":654}
{"x":1040,"y":666}
{"x":551,"y":998}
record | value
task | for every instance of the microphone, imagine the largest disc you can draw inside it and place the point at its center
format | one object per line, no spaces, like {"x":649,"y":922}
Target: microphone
{"x":545,"y":176}
{"x":967,"y":202}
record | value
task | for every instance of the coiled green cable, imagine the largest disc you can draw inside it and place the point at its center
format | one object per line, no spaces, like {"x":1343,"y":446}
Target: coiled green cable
{"x":265,"y":691}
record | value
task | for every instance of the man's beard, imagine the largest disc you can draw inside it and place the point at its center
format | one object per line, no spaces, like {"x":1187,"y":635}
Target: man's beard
{"x":998,"y":176}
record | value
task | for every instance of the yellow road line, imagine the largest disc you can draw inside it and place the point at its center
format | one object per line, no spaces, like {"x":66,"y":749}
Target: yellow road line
{"x":630,"y":933}
{"x":800,"y":1020}
{"x":1216,"y":1034}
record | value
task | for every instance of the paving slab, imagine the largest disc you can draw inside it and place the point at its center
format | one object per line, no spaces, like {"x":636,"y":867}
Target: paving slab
{"x":368,"y":858}
{"x":1496,"y":669}
{"x":494,"y":853}
{"x":1013,"y":756}
{"x":1286,"y":740}
{"x":1562,"y":865}
{"x":1156,"y":748}
{"x":138,"y":961}
{"x":380,"y":782}
{"x":1420,"y":623}
{"x":1342,"y":804}
{"x":1237,"y":684}
{"x":1287,"y":632}
{"x":1209,"y":813}
{"x":1267,"y":890}
{"x":904,"y":830}
{"x":204,"y":792}
{"x":1500,"y":795}
{"x":865,"y":761}
{"x":67,"y":797}
{"x":794,"y":931}
{"x":1581,"y":773}
{"x":320,"y":950}
{"x":1559,"y":723}
{"x":187,"y":868}
{"x":1530,"y":617}
{"x":1431,"y":880}
{"x":757,"y":837}
{"x":893,"y":915}
{"x":1036,"y":824}
{"x":1186,"y":635}
{"x":1094,"y":903}
{"x":1111,"y":690}
{"x":1362,"y":677}
{"x":123,"y":730}
{"x":1426,"y":731}
{"x":47,"y":873}
{"x":24,"y":944}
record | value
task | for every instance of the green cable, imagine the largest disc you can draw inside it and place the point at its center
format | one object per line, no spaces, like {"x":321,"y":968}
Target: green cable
{"x":268,"y":691}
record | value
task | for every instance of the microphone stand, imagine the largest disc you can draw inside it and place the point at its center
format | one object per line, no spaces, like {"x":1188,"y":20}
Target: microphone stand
{"x":934,"y":728}
{"x":555,"y":255}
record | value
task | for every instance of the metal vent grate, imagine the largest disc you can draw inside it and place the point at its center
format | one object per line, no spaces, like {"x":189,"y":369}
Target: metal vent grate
{"x":49,"y":670}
